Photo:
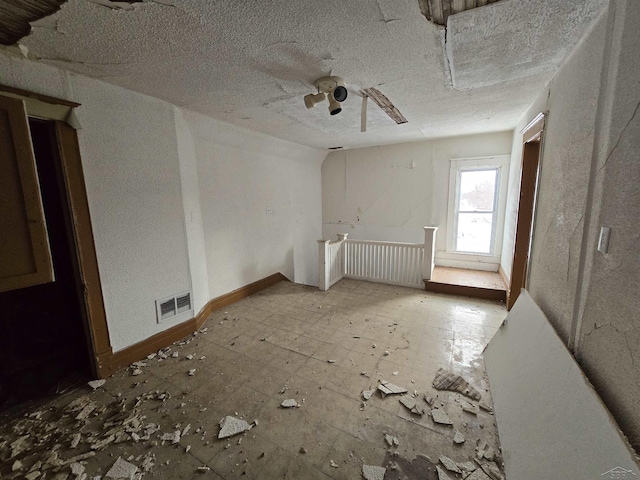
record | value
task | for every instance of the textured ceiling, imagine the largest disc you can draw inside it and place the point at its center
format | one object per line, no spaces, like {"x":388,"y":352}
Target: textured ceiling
{"x":250,"y":63}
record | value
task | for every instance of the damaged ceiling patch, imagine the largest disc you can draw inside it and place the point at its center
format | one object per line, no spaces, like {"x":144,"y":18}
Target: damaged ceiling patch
{"x":16,"y":16}
{"x":515,"y":39}
{"x":437,"y":11}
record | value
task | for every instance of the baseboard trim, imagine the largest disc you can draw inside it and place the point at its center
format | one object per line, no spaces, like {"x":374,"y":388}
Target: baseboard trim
{"x":110,"y":362}
{"x":465,"y":291}
{"x":503,"y":275}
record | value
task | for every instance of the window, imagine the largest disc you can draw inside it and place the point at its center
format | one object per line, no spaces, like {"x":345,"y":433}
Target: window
{"x":476,"y":210}
{"x":477,"y":195}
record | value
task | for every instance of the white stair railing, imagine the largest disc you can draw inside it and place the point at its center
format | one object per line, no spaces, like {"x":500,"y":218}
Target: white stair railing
{"x":331,"y":258}
{"x":393,"y":263}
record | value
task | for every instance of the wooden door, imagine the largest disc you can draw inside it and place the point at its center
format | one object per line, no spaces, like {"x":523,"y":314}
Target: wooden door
{"x":25,"y":255}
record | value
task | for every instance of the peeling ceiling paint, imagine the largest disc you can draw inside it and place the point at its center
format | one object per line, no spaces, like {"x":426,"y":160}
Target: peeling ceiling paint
{"x":16,"y":15}
{"x":251,"y":63}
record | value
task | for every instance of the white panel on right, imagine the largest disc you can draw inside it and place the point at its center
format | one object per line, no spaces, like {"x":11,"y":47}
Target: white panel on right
{"x":551,"y":421}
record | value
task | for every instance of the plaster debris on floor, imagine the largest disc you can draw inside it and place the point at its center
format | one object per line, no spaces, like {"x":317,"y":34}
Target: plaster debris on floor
{"x":317,"y":419}
{"x":446,"y":380}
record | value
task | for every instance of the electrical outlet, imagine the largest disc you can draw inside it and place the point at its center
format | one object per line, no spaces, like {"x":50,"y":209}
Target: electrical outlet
{"x":603,"y":240}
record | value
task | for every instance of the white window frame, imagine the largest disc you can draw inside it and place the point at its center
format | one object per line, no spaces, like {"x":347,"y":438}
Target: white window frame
{"x":483,"y":261}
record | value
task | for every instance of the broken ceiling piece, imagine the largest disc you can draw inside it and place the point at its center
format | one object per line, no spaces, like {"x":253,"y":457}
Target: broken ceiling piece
{"x":289,"y":403}
{"x":230,"y":426}
{"x":491,"y":470}
{"x":412,"y":405}
{"x":449,"y":464}
{"x":95,"y":384}
{"x":440,"y":416}
{"x":372,"y":472}
{"x":367,"y":394}
{"x":468,"y":406}
{"x":442,"y":475}
{"x":388,"y":388}
{"x":446,"y":380}
{"x":437,"y":11}
{"x":467,"y":467}
{"x":385,"y":104}
{"x":391,"y":440}
{"x":121,"y":469}
{"x":458,"y":438}
{"x":478,"y":474}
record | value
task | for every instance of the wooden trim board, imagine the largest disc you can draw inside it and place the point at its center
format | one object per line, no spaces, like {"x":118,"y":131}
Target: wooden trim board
{"x":112,"y":362}
{"x":465,"y":291}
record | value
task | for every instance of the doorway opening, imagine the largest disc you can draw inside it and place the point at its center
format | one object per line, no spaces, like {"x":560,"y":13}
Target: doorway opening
{"x":44,"y":347}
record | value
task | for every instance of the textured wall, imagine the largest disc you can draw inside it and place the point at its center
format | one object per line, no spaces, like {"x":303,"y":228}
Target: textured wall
{"x":391,"y":192}
{"x":241,"y":174}
{"x":564,"y":180}
{"x":609,"y":347}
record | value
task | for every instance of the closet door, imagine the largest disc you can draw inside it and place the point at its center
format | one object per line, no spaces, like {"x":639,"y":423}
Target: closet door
{"x":25,"y":256}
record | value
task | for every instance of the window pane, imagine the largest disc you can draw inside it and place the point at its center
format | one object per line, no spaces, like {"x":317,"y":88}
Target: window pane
{"x":474,"y":232}
{"x":477,"y":190}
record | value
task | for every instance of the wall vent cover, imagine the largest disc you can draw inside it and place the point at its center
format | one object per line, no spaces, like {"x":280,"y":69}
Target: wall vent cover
{"x":171,"y":306}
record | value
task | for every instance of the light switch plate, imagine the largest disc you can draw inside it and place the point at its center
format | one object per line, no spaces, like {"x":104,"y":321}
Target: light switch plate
{"x":603,"y":240}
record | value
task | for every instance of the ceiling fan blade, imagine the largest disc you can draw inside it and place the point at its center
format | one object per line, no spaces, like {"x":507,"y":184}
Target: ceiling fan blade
{"x":363,"y":114}
{"x":385,"y":104}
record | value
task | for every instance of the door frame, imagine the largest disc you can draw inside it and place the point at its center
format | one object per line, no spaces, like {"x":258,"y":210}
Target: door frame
{"x":532,"y":141}
{"x":59,"y":110}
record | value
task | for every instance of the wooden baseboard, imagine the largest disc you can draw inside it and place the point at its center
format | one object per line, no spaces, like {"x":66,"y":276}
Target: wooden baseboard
{"x":109,"y":363}
{"x":503,"y":276}
{"x":465,"y":291}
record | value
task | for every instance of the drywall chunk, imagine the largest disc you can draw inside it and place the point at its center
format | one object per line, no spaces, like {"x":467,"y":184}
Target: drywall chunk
{"x":367,"y":394}
{"x":442,"y":475}
{"x":467,"y":467}
{"x":458,"y":438}
{"x":333,"y":464}
{"x":17,"y":465}
{"x":75,"y":440}
{"x":77,"y":469}
{"x":372,"y":472}
{"x":136,"y":372}
{"x":171,"y":437}
{"x":230,"y":426}
{"x":440,"y":416}
{"x":412,"y":405}
{"x":289,"y":403}
{"x":491,"y":470}
{"x":95,"y":384}
{"x":485,"y":406}
{"x":192,"y":372}
{"x":478,"y":474}
{"x":391,"y":440}
{"x":449,"y":464}
{"x":446,"y":380}
{"x":203,"y":469}
{"x":388,"y":388}
{"x":86,"y":411}
{"x":32,"y":475}
{"x":122,"y":469}
{"x":468,"y":406}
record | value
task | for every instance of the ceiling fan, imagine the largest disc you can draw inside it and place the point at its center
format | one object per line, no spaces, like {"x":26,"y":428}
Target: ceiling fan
{"x":334,"y":88}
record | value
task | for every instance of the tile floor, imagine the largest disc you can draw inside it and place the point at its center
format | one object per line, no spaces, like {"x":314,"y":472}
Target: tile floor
{"x":282,"y":339}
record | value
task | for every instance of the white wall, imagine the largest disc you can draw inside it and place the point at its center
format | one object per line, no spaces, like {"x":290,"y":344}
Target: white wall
{"x":240,"y":174}
{"x":177,"y":200}
{"x":132,"y":175}
{"x":391,"y":192}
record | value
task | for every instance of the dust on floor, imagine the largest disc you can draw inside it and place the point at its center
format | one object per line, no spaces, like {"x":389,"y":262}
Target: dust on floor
{"x":307,"y":379}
